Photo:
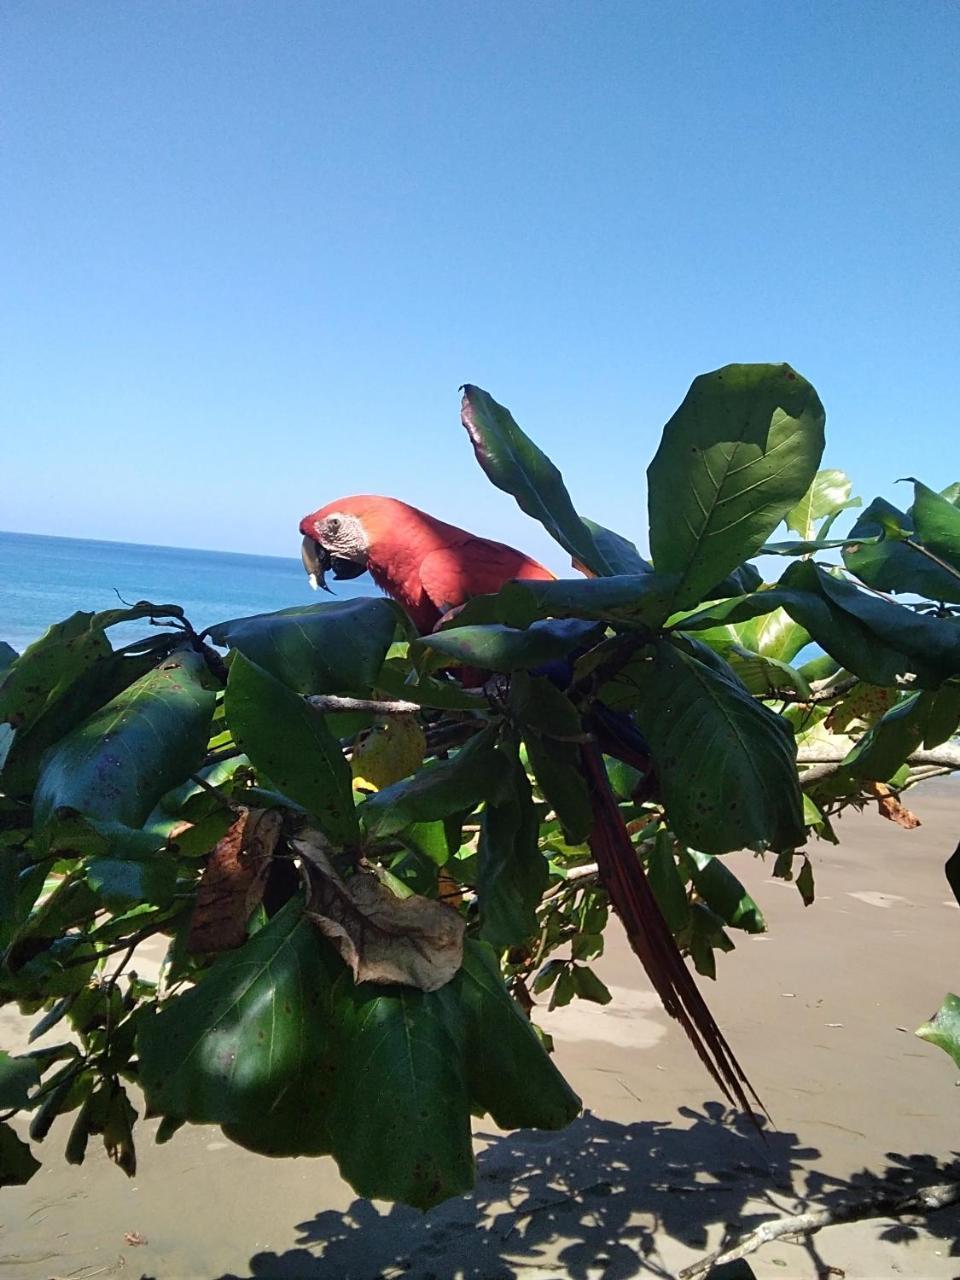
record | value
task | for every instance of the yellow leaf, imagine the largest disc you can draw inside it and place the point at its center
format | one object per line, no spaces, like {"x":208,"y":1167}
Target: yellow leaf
{"x":393,"y":749}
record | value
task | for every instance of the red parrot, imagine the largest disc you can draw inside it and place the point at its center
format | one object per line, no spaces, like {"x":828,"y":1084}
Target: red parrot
{"x":430,"y":567}
{"x":427,"y":566}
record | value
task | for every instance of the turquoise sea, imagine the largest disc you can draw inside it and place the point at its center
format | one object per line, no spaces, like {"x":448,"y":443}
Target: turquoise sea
{"x":43,"y":580}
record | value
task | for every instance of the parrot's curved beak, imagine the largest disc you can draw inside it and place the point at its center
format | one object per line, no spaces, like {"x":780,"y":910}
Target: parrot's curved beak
{"x":316,"y":561}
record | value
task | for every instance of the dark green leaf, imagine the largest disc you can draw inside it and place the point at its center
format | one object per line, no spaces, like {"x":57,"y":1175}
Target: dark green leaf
{"x":619,"y":553}
{"x":17,"y":1077}
{"x":514,"y":464}
{"x":943,"y":1029}
{"x":97,"y":684}
{"x":122,"y":881}
{"x":289,"y":741}
{"x":116,"y":765}
{"x":726,"y":764}
{"x":805,"y":882}
{"x":436,"y":791}
{"x":322,"y":648}
{"x":47,"y":668}
{"x":937,"y":523}
{"x":893,"y":564}
{"x":738,"y":454}
{"x":723,"y":893}
{"x":588,"y":986}
{"x":744,"y":579}
{"x":667,"y":884}
{"x":17,"y":1162}
{"x":642,"y":599}
{"x":499,"y":648}
{"x":512,"y":872}
{"x":249,"y":1048}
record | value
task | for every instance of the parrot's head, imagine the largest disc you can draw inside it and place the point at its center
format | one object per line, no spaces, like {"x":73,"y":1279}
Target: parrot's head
{"x":334,"y":538}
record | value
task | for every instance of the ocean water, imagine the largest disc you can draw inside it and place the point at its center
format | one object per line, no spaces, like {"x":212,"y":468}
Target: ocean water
{"x":43,"y":580}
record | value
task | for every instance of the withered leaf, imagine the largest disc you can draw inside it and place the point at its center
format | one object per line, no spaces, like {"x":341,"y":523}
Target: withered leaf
{"x":233,"y":881}
{"x":890,"y":806}
{"x":414,"y":942}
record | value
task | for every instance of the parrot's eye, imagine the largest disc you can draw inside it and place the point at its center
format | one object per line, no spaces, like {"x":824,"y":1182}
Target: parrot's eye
{"x":333,"y":524}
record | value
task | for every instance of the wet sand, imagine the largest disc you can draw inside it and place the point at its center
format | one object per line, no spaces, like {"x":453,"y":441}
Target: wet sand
{"x":820,"y":1011}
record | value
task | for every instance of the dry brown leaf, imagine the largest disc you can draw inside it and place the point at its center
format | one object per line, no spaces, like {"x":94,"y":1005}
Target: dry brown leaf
{"x":414,"y":942}
{"x":890,"y":806}
{"x":233,"y":881}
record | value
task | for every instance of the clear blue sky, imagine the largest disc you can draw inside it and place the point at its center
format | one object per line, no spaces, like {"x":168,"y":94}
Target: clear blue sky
{"x":252,"y":249}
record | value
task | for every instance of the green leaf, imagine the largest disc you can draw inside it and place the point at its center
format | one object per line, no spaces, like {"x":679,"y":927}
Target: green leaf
{"x":723,"y":893}
{"x":893,"y":564}
{"x":641,"y":599}
{"x":745,"y":578}
{"x":116,"y":765}
{"x":514,"y":464}
{"x":17,"y":1162}
{"x":499,"y":648}
{"x":774,"y":635}
{"x":249,"y":1048}
{"x":618,"y":552}
{"x":943,"y":1029}
{"x":937,"y":523}
{"x":512,"y":872}
{"x":48,"y":667}
{"x":738,"y":454}
{"x":829,"y":493}
{"x":805,"y":882}
{"x":17,"y":1077}
{"x":289,"y":741}
{"x":322,"y":648}
{"x":450,"y":786}
{"x":97,"y":684}
{"x":588,"y":986}
{"x":550,"y":725}
{"x":726,"y":764}
{"x":667,"y":884}
{"x":123,"y":881}
{"x":952,"y":493}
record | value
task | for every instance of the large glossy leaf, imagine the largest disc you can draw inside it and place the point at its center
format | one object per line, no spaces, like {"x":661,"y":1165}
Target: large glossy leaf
{"x":514,"y":464}
{"x":117,"y":764}
{"x":280,"y":1047}
{"x":943,"y":1029}
{"x":288,"y":740}
{"x":726,"y":764}
{"x":509,"y":1074}
{"x":828,"y":493}
{"x":774,"y":635}
{"x":322,"y":648}
{"x":250,"y":1047}
{"x":512,"y":873}
{"x":641,"y":599}
{"x":499,"y":648}
{"x":723,"y":892}
{"x":95,"y":685}
{"x":455,"y":785}
{"x":738,"y":454}
{"x":47,"y":668}
{"x":892,"y":564}
{"x":937,"y":522}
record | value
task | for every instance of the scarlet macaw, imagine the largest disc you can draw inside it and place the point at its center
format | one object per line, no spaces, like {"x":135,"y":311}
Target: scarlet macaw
{"x":427,"y":566}
{"x":430,"y":567}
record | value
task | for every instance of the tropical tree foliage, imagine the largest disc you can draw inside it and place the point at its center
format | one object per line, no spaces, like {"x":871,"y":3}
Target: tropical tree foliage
{"x":358,"y":870}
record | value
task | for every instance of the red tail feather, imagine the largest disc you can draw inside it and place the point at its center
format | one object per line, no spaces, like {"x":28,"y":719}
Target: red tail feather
{"x":624,"y":879}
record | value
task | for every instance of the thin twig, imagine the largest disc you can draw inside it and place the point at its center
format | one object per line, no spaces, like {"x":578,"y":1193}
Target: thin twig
{"x":223,"y":799}
{"x":878,"y":1206}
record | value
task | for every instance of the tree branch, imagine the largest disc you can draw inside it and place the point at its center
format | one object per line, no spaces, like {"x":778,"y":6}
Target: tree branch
{"x":878,"y":1206}
{"x":330,"y":702}
{"x":823,"y":766}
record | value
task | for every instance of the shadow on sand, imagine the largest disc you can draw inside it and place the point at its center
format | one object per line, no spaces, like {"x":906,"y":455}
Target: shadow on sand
{"x":605,"y":1190}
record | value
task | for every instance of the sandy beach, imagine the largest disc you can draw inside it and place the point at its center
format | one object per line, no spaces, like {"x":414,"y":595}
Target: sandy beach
{"x":820,"y":1010}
